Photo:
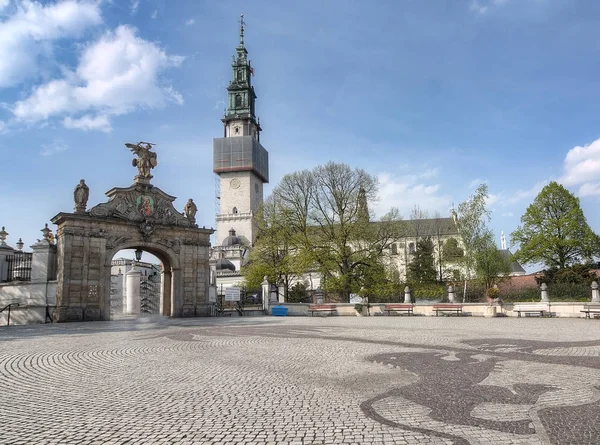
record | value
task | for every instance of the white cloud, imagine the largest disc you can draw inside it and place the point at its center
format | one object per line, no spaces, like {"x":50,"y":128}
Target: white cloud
{"x":529,"y":193}
{"x":582,"y":167}
{"x":26,"y":35}
{"x":4,"y":4}
{"x":134,"y":6}
{"x":407,"y":191}
{"x":508,"y":214}
{"x":53,"y":148}
{"x":154,"y":14}
{"x":190,"y":22}
{"x":115,"y":75}
{"x":88,"y":122}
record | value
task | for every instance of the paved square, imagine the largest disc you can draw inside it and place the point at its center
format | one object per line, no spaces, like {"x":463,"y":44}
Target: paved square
{"x":319,"y":380}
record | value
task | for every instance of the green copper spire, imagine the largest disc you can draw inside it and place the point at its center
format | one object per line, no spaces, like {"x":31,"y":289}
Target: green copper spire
{"x":241,"y":94}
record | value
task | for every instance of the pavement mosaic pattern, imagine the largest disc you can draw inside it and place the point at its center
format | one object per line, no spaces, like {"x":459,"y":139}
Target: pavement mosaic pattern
{"x":305,"y":380}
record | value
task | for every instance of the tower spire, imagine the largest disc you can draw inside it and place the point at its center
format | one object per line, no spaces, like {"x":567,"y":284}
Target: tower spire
{"x":242,"y":23}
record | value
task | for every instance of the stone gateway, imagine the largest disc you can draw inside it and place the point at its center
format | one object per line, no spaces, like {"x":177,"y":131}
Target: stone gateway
{"x":137,"y":217}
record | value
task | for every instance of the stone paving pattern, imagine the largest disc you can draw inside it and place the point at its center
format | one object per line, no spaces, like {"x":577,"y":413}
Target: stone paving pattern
{"x":305,"y":380}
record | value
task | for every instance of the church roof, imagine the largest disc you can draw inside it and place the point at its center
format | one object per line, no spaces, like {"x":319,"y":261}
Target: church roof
{"x":515,"y":267}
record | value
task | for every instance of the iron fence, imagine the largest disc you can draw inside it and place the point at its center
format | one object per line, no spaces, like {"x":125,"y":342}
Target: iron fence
{"x":19,"y":266}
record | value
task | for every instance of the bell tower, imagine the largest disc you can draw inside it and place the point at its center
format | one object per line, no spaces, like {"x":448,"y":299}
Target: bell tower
{"x":239,"y":159}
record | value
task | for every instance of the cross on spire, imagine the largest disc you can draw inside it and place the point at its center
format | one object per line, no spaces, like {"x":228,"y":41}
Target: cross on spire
{"x":242,"y":23}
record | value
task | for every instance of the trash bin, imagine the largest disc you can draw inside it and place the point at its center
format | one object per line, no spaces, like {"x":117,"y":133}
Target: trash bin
{"x":279,"y":311}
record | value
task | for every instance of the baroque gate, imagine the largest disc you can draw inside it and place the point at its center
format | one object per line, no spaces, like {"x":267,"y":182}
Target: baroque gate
{"x":140,"y":216}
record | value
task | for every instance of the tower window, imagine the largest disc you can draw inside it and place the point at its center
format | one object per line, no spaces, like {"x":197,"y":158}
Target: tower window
{"x":411,"y":248}
{"x":235,"y":210}
{"x":238,"y":100}
{"x":394,"y":249}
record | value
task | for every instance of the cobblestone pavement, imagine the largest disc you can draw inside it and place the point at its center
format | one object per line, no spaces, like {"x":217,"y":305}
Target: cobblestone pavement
{"x":317,"y":380}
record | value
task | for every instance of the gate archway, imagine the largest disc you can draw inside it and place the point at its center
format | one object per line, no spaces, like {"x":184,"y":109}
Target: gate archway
{"x":140,"y":216}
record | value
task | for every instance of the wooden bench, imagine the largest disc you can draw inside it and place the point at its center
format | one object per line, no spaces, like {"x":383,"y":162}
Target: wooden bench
{"x":399,"y":307}
{"x":591,"y":310}
{"x":541,"y":309}
{"x":321,"y":308}
{"x":447,"y":309}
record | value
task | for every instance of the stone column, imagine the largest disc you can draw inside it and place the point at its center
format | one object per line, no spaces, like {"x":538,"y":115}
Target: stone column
{"x":451,"y":294}
{"x":595,"y":292}
{"x":407,"y":296}
{"x":132,"y":290}
{"x":5,"y":250}
{"x":43,"y":261}
{"x":165,"y":293}
{"x":544,"y":289}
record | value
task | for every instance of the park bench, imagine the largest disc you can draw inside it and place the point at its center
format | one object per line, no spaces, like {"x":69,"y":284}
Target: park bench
{"x":447,"y":309}
{"x":591,"y":310}
{"x":541,"y":309}
{"x":399,"y":307}
{"x":321,"y":308}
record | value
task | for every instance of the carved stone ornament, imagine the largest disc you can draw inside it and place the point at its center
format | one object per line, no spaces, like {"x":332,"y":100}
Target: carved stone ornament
{"x":141,"y":203}
{"x":77,"y":231}
{"x":146,"y":229}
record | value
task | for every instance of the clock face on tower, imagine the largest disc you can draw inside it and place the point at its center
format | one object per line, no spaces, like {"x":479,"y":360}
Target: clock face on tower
{"x":236,"y":130}
{"x":234,"y":183}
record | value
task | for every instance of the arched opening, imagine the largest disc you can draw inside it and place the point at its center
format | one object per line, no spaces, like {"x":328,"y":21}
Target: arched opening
{"x":141,"y":283}
{"x":234,"y":211}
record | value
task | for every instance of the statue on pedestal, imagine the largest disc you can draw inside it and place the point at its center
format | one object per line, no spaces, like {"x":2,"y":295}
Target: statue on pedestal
{"x":81,"y":195}
{"x":190,"y":210}
{"x":146,"y":159}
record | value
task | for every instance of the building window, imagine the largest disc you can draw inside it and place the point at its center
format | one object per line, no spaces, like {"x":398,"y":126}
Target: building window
{"x":394,"y":249}
{"x":238,"y":100}
{"x":411,"y":248}
{"x":235,"y":210}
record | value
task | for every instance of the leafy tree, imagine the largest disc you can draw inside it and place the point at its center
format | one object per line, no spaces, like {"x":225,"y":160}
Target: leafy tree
{"x":451,"y":251}
{"x":554,"y":231}
{"x":481,"y":255}
{"x":325,"y":223}
{"x":492,"y":266}
{"x":422,"y":267}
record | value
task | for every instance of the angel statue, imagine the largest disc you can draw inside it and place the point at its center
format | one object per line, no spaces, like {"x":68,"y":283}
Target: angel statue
{"x":146,"y":159}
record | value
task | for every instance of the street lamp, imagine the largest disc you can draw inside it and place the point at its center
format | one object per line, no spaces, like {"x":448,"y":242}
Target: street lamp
{"x":138,"y":254}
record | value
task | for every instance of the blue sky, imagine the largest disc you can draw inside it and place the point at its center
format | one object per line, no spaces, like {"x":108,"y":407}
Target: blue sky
{"x":433,"y":97}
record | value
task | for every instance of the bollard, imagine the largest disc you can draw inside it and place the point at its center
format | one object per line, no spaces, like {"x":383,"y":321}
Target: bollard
{"x":544,"y":289}
{"x":407,"y":297}
{"x":595,"y":292}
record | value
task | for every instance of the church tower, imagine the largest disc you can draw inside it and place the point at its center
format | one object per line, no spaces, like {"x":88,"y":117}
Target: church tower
{"x":239,"y":159}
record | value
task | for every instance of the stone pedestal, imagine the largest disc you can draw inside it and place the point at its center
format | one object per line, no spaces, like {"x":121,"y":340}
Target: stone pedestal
{"x":407,"y":296}
{"x":490,"y":311}
{"x":544,"y":289}
{"x":132,"y":291}
{"x":595,"y":292}
{"x":452,"y":294}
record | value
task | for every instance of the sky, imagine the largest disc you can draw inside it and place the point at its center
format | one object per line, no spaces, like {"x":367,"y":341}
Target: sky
{"x":432,"y":97}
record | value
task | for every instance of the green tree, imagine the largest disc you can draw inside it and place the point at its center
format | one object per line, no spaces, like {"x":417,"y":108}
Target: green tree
{"x":422,"y":267}
{"x":554,"y":231}
{"x":492,"y":266}
{"x":325,"y":222}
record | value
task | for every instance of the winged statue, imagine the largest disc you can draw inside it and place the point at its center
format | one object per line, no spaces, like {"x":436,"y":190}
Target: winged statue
{"x":146,"y":159}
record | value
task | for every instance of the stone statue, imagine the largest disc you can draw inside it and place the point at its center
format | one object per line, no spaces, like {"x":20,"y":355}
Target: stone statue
{"x":146,"y":159}
{"x":190,"y":210}
{"x":81,"y":195}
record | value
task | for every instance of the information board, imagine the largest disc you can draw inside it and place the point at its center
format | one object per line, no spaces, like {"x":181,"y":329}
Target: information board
{"x":232,"y":294}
